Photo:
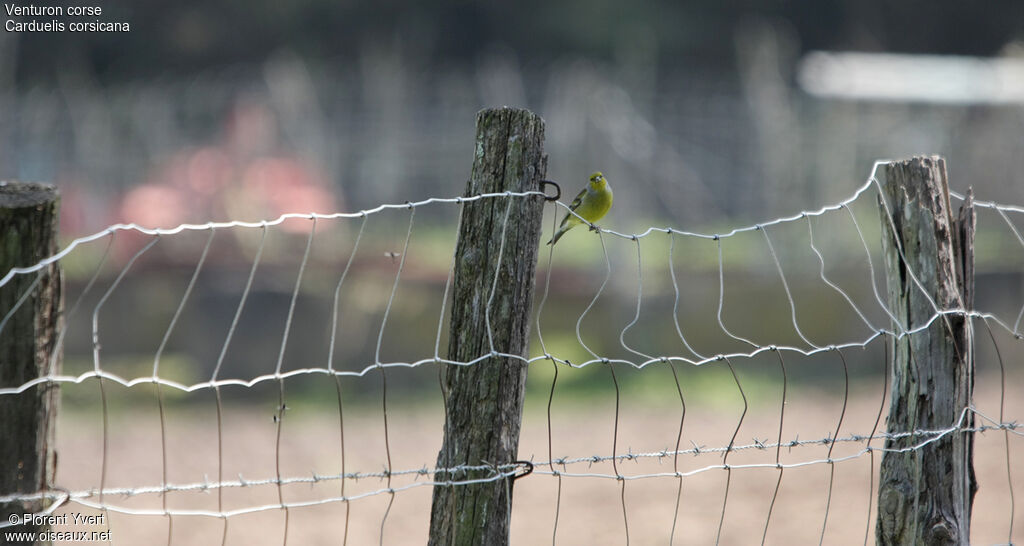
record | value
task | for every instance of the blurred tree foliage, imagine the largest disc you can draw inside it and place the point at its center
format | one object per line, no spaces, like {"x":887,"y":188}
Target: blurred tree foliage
{"x":188,"y":36}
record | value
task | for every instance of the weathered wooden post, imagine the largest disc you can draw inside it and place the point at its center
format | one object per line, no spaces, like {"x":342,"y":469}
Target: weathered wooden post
{"x":28,"y":233}
{"x":925,"y":494}
{"x":485,"y":400}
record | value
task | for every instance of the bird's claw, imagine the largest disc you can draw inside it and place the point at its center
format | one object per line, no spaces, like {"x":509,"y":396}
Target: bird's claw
{"x":595,"y":228}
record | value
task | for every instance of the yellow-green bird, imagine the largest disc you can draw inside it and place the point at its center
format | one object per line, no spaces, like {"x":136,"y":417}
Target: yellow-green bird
{"x":592,"y":204}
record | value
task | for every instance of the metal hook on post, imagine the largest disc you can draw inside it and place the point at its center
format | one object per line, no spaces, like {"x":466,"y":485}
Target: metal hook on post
{"x":558,"y":190}
{"x":526,"y":472}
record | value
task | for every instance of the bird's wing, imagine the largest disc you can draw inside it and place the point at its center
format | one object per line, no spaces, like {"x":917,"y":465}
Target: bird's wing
{"x":574,"y":205}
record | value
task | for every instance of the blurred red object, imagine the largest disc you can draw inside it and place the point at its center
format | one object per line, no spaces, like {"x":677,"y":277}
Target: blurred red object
{"x":247,"y":177}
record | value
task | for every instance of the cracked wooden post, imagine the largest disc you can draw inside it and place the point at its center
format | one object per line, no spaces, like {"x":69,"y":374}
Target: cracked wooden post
{"x":485,"y":400}
{"x":925,"y":494}
{"x":28,"y":233}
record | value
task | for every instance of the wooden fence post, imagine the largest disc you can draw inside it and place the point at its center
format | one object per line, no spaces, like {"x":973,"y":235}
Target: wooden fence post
{"x":925,"y":494}
{"x":28,"y":233}
{"x":485,"y":400}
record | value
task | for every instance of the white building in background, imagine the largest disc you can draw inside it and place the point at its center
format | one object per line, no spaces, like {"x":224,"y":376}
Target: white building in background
{"x":892,"y":77}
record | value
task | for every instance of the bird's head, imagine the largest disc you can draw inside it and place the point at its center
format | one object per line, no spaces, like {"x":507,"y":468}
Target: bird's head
{"x":597,"y":181}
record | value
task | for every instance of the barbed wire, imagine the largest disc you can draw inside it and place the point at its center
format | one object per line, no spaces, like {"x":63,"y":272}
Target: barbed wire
{"x":499,"y":472}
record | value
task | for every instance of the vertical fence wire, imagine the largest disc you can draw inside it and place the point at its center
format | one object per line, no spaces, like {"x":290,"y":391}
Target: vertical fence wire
{"x":1006,"y":432}
{"x":675,"y":455}
{"x":216,"y":371}
{"x":383,"y":372}
{"x":832,"y":443}
{"x":778,"y":443}
{"x":442,"y":368}
{"x":675,"y":378}
{"x":728,"y":450}
{"x":554,"y":378}
{"x":874,"y":430}
{"x":337,"y":378}
{"x":156,"y":373}
{"x":97,"y":368}
{"x":281,"y":406}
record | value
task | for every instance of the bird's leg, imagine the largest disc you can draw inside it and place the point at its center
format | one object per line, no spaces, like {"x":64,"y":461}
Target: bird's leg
{"x":594,"y":227}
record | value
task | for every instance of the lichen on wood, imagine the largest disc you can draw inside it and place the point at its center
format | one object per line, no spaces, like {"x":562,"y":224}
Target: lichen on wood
{"x":925,"y":494}
{"x":484,"y":401}
{"x":28,"y":234}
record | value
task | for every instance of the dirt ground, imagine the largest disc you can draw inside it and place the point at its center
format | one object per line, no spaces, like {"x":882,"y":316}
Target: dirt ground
{"x":589,"y":509}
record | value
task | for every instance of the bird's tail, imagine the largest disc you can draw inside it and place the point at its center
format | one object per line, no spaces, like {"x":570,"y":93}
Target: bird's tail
{"x":558,"y":235}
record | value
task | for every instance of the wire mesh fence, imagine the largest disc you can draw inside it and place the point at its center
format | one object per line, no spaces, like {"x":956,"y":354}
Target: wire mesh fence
{"x":278,"y":381}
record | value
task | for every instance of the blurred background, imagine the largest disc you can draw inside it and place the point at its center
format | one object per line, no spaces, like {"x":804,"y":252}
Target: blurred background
{"x":704,"y":111}
{"x":704,"y":116}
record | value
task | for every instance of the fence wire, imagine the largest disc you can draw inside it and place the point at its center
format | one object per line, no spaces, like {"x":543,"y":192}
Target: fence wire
{"x":880,"y":327}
